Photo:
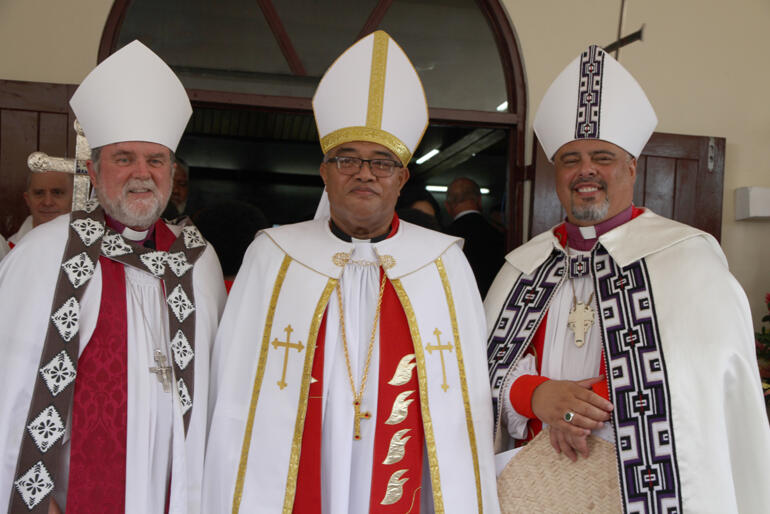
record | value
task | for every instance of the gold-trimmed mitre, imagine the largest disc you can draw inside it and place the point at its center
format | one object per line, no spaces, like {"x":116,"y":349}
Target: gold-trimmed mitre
{"x":132,"y":96}
{"x":372,"y":93}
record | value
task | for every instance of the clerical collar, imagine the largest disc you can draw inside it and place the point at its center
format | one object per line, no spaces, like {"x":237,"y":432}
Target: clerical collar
{"x":584,"y":238}
{"x":337,"y":231}
{"x":143,"y":237}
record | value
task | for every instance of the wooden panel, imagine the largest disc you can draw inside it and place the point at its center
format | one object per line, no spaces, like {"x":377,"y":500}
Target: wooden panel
{"x":641,"y":180}
{"x":659,"y":186}
{"x":686,"y":191}
{"x":18,"y":138}
{"x":53,"y":134}
{"x":33,"y":96}
{"x":546,"y":208}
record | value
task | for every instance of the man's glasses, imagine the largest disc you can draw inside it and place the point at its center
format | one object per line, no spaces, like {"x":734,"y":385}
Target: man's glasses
{"x":381,"y":168}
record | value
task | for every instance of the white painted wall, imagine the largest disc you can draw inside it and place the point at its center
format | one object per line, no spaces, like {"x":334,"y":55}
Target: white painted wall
{"x":703,"y":64}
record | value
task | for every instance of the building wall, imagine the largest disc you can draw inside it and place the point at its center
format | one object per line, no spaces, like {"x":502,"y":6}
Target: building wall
{"x":702,"y":64}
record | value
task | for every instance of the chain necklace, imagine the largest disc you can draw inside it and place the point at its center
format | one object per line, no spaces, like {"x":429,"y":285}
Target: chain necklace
{"x":581,"y":315}
{"x":357,"y":414}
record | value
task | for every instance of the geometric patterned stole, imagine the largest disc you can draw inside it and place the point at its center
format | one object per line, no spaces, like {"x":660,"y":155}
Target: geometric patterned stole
{"x":51,"y":401}
{"x":638,"y":386}
{"x":523,"y":310}
{"x":636,"y":371}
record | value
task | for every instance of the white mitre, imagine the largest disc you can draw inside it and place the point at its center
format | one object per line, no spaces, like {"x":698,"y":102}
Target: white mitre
{"x":594,"y":97}
{"x":372,"y":93}
{"x":132,"y":96}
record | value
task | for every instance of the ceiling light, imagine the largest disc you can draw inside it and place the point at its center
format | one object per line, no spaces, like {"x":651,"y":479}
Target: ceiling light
{"x":503,"y":106}
{"x":436,"y":189}
{"x":427,"y":156}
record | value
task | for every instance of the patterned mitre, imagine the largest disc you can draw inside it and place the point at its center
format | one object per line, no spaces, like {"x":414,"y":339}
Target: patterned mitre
{"x":372,"y":93}
{"x":595,"y":97}
{"x":132,"y":96}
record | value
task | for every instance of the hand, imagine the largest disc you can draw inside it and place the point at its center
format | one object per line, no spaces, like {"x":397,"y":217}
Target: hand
{"x":552,"y":399}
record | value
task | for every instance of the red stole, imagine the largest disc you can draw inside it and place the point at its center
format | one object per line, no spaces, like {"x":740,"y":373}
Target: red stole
{"x":97,"y":469}
{"x":395,"y":343}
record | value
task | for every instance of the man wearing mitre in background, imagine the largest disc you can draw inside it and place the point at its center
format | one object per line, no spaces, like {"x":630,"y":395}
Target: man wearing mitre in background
{"x":349,"y":374}
{"x":622,"y":331}
{"x":108,"y":316}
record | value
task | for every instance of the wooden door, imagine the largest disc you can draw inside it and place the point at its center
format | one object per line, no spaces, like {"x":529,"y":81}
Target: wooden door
{"x":679,"y":177}
{"x":33,"y":117}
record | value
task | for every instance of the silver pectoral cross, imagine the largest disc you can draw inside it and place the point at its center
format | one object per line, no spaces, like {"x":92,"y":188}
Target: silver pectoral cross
{"x":580,"y":319}
{"x":162,"y":371}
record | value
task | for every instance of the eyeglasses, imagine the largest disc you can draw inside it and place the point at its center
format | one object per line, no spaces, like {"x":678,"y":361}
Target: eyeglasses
{"x":351,"y":165}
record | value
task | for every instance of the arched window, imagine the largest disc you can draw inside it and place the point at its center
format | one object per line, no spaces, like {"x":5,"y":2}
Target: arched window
{"x":251,"y":69}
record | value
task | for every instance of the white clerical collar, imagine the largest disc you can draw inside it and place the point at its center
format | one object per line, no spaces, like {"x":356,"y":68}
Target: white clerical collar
{"x":588,"y":232}
{"x":134,"y":235}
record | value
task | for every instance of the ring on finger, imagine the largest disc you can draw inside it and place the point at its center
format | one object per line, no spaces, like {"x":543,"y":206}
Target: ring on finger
{"x":569,"y":416}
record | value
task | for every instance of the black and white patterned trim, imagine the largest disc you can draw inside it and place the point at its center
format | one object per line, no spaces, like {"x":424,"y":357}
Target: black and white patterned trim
{"x":589,"y":106}
{"x":522,"y":312}
{"x":642,"y":417}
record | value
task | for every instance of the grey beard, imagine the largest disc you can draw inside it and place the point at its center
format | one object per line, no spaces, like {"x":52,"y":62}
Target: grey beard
{"x":596,"y":212}
{"x":134,"y":216}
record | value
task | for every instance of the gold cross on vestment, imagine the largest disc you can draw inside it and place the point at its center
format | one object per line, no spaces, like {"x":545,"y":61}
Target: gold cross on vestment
{"x":162,"y":371}
{"x":357,"y":417}
{"x":438,"y":346}
{"x":580,"y":319}
{"x":287,"y":345}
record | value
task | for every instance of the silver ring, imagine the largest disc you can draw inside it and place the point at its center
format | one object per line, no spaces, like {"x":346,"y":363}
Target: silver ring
{"x":569,"y":416}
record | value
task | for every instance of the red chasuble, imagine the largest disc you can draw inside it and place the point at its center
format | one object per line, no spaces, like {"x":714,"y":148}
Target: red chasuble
{"x":394,"y":345}
{"x":97,"y":470}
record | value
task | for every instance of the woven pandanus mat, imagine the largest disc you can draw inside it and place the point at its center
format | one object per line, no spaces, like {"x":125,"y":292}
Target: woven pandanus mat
{"x":539,"y":480}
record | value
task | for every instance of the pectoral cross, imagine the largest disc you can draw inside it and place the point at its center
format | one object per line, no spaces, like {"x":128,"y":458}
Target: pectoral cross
{"x":357,"y":417}
{"x":162,"y":371}
{"x":580,"y":319}
{"x":438,"y":346}
{"x":287,"y":345}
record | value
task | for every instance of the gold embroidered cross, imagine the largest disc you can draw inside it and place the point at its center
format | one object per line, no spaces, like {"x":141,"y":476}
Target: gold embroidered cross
{"x":287,"y":345}
{"x":438,"y":346}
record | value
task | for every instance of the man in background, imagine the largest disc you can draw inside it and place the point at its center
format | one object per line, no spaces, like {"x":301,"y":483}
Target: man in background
{"x":48,"y":195}
{"x":484,"y":244}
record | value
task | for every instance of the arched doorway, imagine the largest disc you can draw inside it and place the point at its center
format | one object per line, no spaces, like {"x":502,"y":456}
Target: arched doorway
{"x":250,"y":69}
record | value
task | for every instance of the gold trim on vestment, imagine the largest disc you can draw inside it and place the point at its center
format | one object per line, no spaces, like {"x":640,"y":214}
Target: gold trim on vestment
{"x":419,"y":353}
{"x":463,"y":380}
{"x":377,"y":80}
{"x":299,"y":426}
{"x":237,"y":496}
{"x":372,"y":135}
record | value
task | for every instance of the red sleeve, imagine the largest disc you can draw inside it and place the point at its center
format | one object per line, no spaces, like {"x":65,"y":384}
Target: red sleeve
{"x":521,"y":393}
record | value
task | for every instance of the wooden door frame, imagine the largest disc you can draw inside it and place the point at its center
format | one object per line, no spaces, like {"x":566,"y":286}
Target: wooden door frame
{"x":513,"y":71}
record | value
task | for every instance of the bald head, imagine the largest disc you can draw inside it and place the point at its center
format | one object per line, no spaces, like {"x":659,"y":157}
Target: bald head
{"x":48,"y":195}
{"x":463,"y":194}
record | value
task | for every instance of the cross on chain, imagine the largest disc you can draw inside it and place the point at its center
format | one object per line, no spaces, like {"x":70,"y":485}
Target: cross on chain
{"x":287,"y":345}
{"x":357,"y":417}
{"x":438,"y":346}
{"x":162,"y":371}
{"x":580,"y":319}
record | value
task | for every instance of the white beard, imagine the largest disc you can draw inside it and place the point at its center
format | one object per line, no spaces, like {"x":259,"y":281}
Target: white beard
{"x":137,"y":213}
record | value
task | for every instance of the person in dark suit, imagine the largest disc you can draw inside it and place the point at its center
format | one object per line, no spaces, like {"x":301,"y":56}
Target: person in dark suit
{"x":484,"y":244}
